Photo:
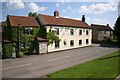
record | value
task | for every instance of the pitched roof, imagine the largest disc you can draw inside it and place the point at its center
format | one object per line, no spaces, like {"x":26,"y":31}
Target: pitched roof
{"x":51,"y":20}
{"x":41,"y":39}
{"x":101,"y":27}
{"x":22,"y":21}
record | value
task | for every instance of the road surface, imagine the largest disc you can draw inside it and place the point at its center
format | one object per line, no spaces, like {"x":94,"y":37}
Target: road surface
{"x":37,"y":66}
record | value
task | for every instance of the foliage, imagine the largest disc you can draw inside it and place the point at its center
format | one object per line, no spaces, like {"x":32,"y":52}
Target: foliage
{"x":117,"y":29}
{"x":104,"y":67}
{"x":24,"y":38}
{"x":7,"y":50}
{"x":20,"y":54}
{"x":32,"y":14}
{"x":7,"y":31}
{"x":52,"y":37}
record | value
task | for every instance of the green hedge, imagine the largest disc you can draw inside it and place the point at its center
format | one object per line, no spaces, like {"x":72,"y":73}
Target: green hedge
{"x":7,"y":51}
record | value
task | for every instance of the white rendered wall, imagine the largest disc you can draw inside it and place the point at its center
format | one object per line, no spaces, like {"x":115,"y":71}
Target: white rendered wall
{"x":64,"y":34}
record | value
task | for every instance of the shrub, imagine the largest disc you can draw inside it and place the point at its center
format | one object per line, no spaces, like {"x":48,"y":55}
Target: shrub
{"x":7,"y":51}
{"x":20,"y":54}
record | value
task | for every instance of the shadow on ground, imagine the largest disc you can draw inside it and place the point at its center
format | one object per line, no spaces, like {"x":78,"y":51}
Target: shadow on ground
{"x":108,"y":45}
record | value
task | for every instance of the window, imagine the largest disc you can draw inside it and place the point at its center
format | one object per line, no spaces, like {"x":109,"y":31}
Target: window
{"x":57,"y":44}
{"x":28,"y":31}
{"x":56,"y":31}
{"x":87,"y":32}
{"x":80,"y":32}
{"x":71,"y":43}
{"x":80,"y":42}
{"x":87,"y":41}
{"x":71,"y":32}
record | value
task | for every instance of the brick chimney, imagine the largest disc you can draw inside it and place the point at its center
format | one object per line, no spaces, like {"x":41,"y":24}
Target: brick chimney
{"x":108,"y":25}
{"x":56,"y":14}
{"x":83,"y":18}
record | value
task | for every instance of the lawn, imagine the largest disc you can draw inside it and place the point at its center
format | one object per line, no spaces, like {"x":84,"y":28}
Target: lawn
{"x":103,"y":67}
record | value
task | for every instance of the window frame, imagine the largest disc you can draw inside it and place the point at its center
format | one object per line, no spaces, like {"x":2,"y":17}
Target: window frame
{"x":87,"y":32}
{"x":56,"y":31}
{"x":87,"y":41}
{"x":80,"y":42}
{"x":80,"y":32}
{"x":57,"y":45}
{"x":72,"y":43}
{"x":71,"y":32}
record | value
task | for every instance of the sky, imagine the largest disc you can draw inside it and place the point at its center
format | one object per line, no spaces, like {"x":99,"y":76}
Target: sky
{"x":102,"y":13}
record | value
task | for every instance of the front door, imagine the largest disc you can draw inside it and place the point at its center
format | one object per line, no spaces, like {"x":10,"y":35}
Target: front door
{"x":43,"y":47}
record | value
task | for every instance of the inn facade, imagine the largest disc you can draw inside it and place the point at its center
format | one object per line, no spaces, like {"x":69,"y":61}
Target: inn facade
{"x":72,"y":33}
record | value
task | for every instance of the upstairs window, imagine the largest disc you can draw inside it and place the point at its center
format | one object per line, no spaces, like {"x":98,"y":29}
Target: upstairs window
{"x":56,"y":31}
{"x":87,"y":32}
{"x":80,"y":32}
{"x":28,"y":31}
{"x":71,"y":32}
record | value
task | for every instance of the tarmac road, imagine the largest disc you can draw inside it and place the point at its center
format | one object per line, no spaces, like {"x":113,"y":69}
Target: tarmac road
{"x":37,"y":66}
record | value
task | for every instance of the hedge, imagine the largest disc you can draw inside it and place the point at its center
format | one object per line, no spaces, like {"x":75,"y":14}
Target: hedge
{"x":7,"y":51}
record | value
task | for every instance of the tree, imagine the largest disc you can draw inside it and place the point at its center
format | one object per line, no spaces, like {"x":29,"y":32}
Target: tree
{"x":52,"y":37}
{"x":32,"y":14}
{"x":117,"y":29}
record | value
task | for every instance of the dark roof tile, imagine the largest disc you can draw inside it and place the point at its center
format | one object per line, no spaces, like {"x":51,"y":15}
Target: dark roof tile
{"x":101,"y":27}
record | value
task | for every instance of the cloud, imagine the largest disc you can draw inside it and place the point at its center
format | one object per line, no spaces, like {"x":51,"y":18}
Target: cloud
{"x":15,"y":4}
{"x":57,"y":5}
{"x":33,"y":7}
{"x":98,"y":8}
{"x":64,"y":10}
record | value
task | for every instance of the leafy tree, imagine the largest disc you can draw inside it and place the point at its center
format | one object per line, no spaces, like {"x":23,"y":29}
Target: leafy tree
{"x":32,"y":14}
{"x":117,"y":29}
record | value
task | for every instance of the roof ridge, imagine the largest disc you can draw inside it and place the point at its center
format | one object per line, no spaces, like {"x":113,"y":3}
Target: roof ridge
{"x":99,"y":25}
{"x":62,"y":17}
{"x":21,"y":16}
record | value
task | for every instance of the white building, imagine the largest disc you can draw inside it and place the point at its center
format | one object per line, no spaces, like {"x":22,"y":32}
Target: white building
{"x":73,"y":33}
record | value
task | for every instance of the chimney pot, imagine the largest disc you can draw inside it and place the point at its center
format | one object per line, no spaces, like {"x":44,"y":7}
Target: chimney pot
{"x":56,"y":14}
{"x":83,"y":18}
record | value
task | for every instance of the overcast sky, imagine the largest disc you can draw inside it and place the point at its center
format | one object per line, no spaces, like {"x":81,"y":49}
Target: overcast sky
{"x":95,"y":12}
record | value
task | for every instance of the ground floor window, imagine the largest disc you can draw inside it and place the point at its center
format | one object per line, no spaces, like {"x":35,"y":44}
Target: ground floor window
{"x":87,"y":41}
{"x":57,"y":44}
{"x":80,"y":42}
{"x":71,"y":43}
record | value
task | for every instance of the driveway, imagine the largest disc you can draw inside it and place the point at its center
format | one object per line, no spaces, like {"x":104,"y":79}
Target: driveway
{"x":37,"y":66}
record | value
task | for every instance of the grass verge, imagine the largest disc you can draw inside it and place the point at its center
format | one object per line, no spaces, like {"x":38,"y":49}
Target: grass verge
{"x":103,"y":67}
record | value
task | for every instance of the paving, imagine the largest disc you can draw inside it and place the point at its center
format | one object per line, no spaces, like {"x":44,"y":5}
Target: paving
{"x":37,"y":66}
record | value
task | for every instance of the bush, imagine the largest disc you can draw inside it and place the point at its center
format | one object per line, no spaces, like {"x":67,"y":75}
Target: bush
{"x":108,"y":40}
{"x":20,"y":54}
{"x":7,"y":51}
